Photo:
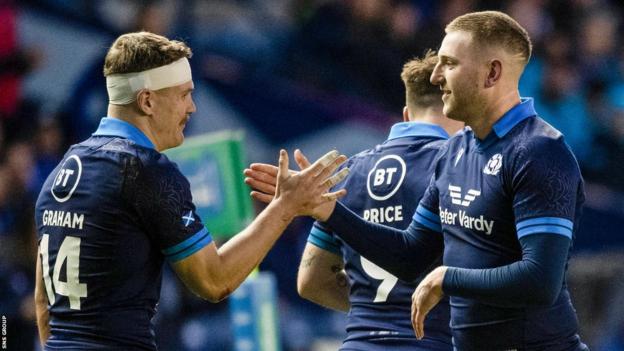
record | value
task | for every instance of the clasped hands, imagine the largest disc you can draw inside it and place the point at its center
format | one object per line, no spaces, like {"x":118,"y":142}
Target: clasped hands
{"x":305,"y":192}
{"x":267,"y":182}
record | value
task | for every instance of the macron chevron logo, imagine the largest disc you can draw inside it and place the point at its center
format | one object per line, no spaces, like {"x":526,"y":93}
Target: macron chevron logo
{"x":456,"y":195}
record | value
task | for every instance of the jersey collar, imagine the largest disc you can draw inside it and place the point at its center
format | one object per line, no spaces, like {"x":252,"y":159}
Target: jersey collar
{"x":407,"y":129}
{"x":110,"y":126}
{"x":511,"y":118}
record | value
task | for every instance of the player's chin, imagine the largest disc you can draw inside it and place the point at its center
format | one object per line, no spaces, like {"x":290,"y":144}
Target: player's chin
{"x":179,"y":138}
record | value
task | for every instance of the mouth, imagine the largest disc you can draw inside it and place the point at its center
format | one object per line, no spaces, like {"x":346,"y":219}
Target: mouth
{"x":185,"y":121}
{"x":445,"y":93}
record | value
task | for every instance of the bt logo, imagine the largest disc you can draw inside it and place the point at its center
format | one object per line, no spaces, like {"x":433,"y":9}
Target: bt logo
{"x":386,"y":177}
{"x":66,"y":180}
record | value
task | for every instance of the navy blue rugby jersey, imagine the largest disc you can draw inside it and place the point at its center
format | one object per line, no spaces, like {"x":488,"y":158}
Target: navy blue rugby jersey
{"x":522,"y":179}
{"x":107,"y":217}
{"x":384,"y":186}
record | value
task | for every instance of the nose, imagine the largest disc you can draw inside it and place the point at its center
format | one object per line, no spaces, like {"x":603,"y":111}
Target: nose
{"x":436,"y":75}
{"x":193,"y":107}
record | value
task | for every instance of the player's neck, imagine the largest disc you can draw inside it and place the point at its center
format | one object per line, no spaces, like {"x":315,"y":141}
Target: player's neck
{"x":128,"y":114}
{"x":425,"y":114}
{"x":434,"y":115}
{"x":493,"y":112}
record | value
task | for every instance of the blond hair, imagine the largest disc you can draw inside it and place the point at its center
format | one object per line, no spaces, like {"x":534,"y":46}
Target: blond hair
{"x":140,"y":51}
{"x":495,"y":28}
{"x":419,"y":91}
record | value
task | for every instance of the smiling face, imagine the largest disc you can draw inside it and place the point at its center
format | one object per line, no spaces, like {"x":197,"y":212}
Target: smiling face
{"x":172,"y":109}
{"x":460,"y":73}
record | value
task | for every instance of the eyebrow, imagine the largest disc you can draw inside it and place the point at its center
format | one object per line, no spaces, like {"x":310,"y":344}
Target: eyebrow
{"x":447,"y":58}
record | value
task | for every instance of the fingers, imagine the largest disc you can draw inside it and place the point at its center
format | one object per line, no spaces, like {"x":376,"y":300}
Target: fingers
{"x":264,"y":168}
{"x":301,"y":160}
{"x":417,"y":314}
{"x":282,"y":172}
{"x":336,"y":178}
{"x":259,"y":176}
{"x":268,"y":169}
{"x":420,"y":323}
{"x":267,"y":188}
{"x":320,"y":164}
{"x":330,"y":168}
{"x":335,"y":195}
{"x":256,"y":195}
{"x":413,"y":311}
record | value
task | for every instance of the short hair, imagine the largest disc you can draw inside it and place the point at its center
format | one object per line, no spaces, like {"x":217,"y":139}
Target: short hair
{"x":140,"y":51}
{"x":419,"y":91}
{"x":496,"y":29}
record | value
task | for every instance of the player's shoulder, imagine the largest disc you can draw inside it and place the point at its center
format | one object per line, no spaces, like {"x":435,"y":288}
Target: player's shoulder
{"x":132,"y":157}
{"x":536,"y":130}
{"x":539,"y":138}
{"x":542,"y":145}
{"x":154,"y":164}
{"x":109,"y":147}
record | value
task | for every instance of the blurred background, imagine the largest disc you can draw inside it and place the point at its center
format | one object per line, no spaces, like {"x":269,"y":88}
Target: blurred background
{"x":313,"y":74}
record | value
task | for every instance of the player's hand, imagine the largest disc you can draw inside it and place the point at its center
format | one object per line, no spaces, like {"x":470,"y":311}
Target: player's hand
{"x":304,"y":192}
{"x":427,"y":295}
{"x":262,"y":178}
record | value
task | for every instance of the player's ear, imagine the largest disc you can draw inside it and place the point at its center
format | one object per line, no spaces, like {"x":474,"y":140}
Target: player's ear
{"x":495,"y":72}
{"x":145,"y":101}
{"x":405,"y":114}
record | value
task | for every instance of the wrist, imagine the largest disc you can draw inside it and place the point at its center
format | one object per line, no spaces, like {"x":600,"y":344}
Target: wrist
{"x":282,"y":210}
{"x":325,"y":211}
{"x":445,"y":278}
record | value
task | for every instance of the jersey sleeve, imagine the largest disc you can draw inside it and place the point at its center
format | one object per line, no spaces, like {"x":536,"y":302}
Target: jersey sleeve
{"x":427,"y":212}
{"x":323,"y":238}
{"x":161,"y":197}
{"x":546,"y":187}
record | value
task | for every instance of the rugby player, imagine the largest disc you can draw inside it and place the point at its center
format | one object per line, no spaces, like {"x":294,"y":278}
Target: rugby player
{"x":116,"y":208}
{"x":395,"y":175}
{"x":503,"y":204}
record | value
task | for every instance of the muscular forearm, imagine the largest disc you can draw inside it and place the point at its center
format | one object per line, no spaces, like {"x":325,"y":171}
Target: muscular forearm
{"x":322,"y":279}
{"x":404,"y":253}
{"x":214,"y":273}
{"x":334,"y":294}
{"x":241,"y":254}
{"x":535,"y":280}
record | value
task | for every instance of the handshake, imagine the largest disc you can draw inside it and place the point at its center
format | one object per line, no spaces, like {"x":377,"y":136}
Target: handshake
{"x":304,"y":192}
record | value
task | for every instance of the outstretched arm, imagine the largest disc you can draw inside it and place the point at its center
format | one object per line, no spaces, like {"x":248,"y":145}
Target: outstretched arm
{"x":214,"y":273}
{"x":404,"y":253}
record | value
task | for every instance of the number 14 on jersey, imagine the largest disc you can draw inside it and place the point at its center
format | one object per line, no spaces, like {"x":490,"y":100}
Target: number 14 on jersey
{"x":69,"y":252}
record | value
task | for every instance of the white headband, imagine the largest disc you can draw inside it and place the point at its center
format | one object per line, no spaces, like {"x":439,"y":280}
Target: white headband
{"x":122,"y":88}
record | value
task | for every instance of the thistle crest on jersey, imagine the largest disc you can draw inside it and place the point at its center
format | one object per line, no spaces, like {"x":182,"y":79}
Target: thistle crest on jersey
{"x":494,"y":165}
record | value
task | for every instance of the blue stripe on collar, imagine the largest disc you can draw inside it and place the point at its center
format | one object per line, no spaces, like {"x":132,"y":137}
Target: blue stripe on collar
{"x":515,"y":115}
{"x":405,"y":129}
{"x":110,"y":126}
